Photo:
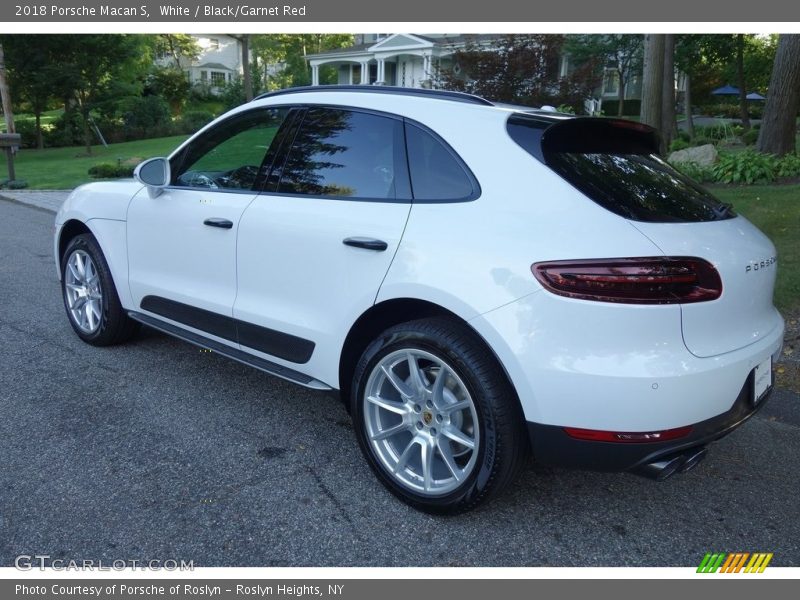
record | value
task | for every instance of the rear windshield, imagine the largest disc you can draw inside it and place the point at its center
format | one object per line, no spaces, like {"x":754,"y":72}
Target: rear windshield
{"x":615,"y":164}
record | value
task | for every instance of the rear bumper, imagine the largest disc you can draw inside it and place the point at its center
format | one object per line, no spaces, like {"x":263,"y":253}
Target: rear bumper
{"x":552,"y":446}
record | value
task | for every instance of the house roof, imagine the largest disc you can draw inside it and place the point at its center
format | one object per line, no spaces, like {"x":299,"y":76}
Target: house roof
{"x":215,"y":66}
{"x":447,"y":40}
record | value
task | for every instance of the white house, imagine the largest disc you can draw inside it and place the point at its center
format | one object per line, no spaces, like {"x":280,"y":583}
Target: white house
{"x":219,"y":61}
{"x":411,"y":60}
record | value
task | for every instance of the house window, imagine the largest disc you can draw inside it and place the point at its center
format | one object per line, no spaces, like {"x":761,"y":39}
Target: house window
{"x":217,"y":79}
{"x":203,"y":75}
{"x":611,"y":82}
{"x":213,"y":44}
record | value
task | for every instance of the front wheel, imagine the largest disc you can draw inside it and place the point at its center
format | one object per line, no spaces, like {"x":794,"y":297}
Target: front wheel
{"x":90,"y":297}
{"x":435,"y":416}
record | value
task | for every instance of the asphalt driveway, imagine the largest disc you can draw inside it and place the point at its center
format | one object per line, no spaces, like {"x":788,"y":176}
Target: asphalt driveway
{"x":157,"y":450}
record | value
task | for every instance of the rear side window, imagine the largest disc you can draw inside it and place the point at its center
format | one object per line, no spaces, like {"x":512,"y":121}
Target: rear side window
{"x":347,"y":153}
{"x":615,"y":163}
{"x":436,"y":173}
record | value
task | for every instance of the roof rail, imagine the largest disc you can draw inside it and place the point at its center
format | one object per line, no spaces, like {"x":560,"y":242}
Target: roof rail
{"x":381,"y":89}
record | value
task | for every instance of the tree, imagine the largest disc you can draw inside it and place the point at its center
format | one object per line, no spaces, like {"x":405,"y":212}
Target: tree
{"x":36,"y":75}
{"x":741,"y":81}
{"x":283,"y":56}
{"x":180,"y":47}
{"x":621,"y":52}
{"x":247,"y":76}
{"x":779,"y":124}
{"x":97,"y":66}
{"x":653,"y":82}
{"x":520,"y":69}
{"x":668,"y":124}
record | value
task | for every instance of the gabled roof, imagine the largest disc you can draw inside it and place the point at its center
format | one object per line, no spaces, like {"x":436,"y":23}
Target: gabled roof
{"x":213,"y":65}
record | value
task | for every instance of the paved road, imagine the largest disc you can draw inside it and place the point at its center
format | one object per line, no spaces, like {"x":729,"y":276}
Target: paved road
{"x":155,"y":450}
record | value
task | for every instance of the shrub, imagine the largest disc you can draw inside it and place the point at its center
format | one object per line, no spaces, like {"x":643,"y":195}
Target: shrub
{"x":192,"y":120}
{"x":788,"y":166}
{"x":750,"y":137}
{"x":748,"y":167}
{"x":110,"y":171}
{"x":701,"y":140}
{"x":678,"y":144}
{"x":694,"y":171}
{"x":143,"y":116}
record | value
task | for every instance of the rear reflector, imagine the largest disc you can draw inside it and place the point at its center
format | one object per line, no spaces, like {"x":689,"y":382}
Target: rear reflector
{"x":594,"y":435}
{"x":654,"y":280}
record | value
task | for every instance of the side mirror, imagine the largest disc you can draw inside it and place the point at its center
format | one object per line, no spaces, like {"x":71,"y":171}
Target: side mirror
{"x":155,"y":174}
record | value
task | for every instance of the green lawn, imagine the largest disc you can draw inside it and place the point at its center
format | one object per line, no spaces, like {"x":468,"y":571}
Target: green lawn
{"x":775,"y":209}
{"x":66,"y":168}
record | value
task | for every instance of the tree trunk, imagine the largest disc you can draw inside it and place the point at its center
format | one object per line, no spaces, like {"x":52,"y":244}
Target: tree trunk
{"x":668,"y":94}
{"x":39,"y":137}
{"x":5,"y":95}
{"x":653,"y":81}
{"x":742,"y":83}
{"x":687,"y":100}
{"x":247,"y":76}
{"x":779,"y":124}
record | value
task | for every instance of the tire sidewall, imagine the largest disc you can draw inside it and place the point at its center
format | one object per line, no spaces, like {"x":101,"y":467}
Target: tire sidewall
{"x":475,"y":484}
{"x":89,"y":246}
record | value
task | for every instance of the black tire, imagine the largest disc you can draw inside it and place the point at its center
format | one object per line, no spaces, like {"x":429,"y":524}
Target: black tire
{"x":503,"y":446}
{"x":115,"y":327}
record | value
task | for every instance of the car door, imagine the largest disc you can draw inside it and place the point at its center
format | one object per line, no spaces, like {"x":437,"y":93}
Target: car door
{"x":182,"y":243}
{"x":315,"y":246}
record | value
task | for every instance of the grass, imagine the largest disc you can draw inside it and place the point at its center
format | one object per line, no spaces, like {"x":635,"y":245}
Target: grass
{"x":66,"y":168}
{"x":775,"y":209}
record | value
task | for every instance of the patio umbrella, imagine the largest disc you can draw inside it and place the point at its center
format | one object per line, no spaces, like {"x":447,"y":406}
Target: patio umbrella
{"x":726,"y":90}
{"x":755,"y":96}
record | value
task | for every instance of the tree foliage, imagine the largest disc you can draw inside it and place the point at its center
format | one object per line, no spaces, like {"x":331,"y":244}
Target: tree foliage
{"x":519,"y":69}
{"x":620,"y":52}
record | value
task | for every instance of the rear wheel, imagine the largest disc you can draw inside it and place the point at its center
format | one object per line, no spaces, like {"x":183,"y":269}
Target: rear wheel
{"x":435,"y":416}
{"x":90,"y":297}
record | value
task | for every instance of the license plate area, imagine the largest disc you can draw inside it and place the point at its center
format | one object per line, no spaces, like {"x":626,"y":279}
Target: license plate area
{"x":762,"y":380}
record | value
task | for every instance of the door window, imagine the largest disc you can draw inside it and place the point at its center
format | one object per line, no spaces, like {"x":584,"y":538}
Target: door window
{"x":230,"y":155}
{"x":345,"y":153}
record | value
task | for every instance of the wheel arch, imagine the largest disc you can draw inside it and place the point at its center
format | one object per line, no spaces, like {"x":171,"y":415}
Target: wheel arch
{"x":69,"y":230}
{"x":388,"y":313}
{"x":111,"y":236}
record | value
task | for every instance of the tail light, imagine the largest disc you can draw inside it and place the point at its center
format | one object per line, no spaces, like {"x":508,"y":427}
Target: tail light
{"x":668,"y":280}
{"x":594,"y":435}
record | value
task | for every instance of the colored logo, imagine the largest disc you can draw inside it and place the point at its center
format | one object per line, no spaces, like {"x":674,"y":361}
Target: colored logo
{"x":734,"y":562}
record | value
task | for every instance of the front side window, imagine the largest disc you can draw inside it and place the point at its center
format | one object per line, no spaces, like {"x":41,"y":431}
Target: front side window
{"x":217,"y":78}
{"x":347,"y":153}
{"x":229,"y":156}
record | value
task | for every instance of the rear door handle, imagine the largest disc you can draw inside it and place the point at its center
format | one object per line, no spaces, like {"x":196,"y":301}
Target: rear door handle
{"x":217,"y":222}
{"x":366,"y":243}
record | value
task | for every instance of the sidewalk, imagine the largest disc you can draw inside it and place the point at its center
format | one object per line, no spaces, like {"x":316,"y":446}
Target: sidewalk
{"x":50,"y":200}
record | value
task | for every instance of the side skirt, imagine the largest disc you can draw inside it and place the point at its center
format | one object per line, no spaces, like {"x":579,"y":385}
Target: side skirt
{"x":233,"y":353}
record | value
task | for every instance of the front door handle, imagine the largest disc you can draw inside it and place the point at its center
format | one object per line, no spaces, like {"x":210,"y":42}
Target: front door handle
{"x":217,"y":222}
{"x":366,"y":243}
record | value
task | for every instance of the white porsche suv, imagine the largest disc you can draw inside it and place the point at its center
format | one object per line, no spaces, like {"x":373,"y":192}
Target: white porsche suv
{"x":479,"y":282}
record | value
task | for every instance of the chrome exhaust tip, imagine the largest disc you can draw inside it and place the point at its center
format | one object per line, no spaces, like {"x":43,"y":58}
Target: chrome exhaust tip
{"x":665,"y":468}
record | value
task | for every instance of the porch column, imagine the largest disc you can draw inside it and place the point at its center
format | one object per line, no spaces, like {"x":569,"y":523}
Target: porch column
{"x":426,"y":66}
{"x":364,"y":73}
{"x":381,"y":71}
{"x":314,"y":74}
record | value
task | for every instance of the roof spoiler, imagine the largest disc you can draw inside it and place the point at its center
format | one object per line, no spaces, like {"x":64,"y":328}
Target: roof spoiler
{"x":593,"y":135}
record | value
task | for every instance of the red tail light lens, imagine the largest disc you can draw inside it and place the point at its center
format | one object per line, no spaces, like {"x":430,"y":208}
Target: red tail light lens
{"x":670,"y":280}
{"x":594,"y":435}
